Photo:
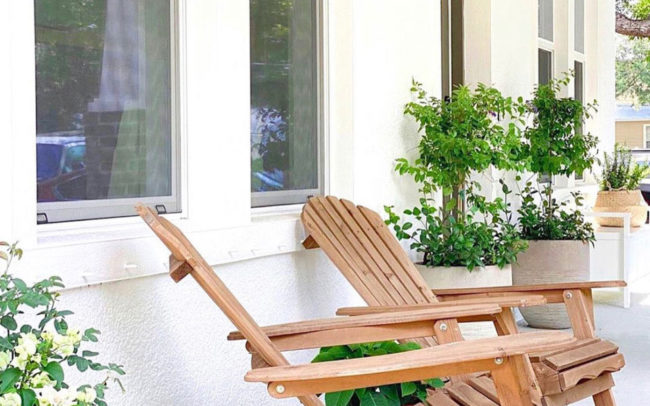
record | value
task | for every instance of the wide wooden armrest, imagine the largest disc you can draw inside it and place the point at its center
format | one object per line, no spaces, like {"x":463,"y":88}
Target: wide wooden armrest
{"x":443,"y":360}
{"x":531,"y":288}
{"x":504,"y":302}
{"x":337,"y":323}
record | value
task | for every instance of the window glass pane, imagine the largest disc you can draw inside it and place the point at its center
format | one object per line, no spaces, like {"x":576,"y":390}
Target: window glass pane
{"x":579,"y":82}
{"x":284,"y":95}
{"x":545,"y":73}
{"x":579,"y":25}
{"x":103,"y":99}
{"x":545,"y":19}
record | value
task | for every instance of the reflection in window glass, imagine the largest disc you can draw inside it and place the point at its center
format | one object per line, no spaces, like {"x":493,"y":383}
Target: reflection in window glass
{"x":284,"y":98}
{"x":545,"y":19}
{"x":579,"y":25}
{"x":103,"y":99}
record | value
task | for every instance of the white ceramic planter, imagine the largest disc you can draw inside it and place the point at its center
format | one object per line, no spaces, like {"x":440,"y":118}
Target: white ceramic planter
{"x":440,"y":277}
{"x":548,"y":262}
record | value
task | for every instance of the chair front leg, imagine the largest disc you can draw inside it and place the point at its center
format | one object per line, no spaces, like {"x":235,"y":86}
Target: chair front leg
{"x":580,"y":313}
{"x":505,"y":323}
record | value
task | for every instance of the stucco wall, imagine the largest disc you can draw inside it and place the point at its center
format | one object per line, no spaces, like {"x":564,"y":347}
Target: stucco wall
{"x":630,"y":133}
{"x":171,"y":338}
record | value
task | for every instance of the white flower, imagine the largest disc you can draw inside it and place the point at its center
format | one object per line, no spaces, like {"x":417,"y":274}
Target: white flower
{"x":48,"y":396}
{"x":5,"y":358}
{"x":75,"y":336}
{"x":41,"y":380}
{"x":10,"y":399}
{"x":21,"y":360}
{"x":27,"y":344}
{"x":47,"y":336}
{"x":88,"y":395}
{"x":64,"y":344}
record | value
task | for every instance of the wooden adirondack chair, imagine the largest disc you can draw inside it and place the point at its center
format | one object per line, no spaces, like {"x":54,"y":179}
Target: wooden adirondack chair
{"x":501,"y":355}
{"x":356,"y":239}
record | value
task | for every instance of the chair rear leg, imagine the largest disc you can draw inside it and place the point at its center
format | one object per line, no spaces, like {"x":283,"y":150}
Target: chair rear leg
{"x":512,"y":386}
{"x":605,"y":398}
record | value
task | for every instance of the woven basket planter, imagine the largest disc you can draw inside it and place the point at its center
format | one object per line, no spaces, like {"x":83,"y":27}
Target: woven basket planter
{"x":621,"y":201}
{"x":547,"y":262}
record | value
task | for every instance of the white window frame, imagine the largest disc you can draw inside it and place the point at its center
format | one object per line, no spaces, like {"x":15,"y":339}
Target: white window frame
{"x":263,"y":201}
{"x":646,"y":138}
{"x":59,"y":212}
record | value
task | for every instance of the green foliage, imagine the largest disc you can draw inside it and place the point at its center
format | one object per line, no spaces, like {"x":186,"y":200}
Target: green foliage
{"x":546,"y":219}
{"x":633,"y":70}
{"x":459,"y":137}
{"x":483,"y":236}
{"x":620,"y":173}
{"x":462,"y":135}
{"x":32,"y":358}
{"x":407,"y":393}
{"x":556,"y":143}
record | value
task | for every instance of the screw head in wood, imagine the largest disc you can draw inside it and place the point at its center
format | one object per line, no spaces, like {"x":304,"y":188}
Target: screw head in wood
{"x":443,"y":326}
{"x":498,"y":360}
{"x":569,"y":295}
{"x":280,"y":389}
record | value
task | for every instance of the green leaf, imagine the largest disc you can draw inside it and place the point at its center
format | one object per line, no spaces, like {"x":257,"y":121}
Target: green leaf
{"x":408,"y":388}
{"x":436,"y":383}
{"x":8,"y":322}
{"x":372,"y":398}
{"x":20,"y":285}
{"x":28,"y":397}
{"x":8,"y":378}
{"x":55,"y":371}
{"x":339,"y":398}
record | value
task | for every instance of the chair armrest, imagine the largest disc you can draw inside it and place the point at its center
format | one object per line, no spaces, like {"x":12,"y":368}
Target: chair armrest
{"x":338,"y":323}
{"x":530,"y":288}
{"x":503,"y":302}
{"x":442,"y":360}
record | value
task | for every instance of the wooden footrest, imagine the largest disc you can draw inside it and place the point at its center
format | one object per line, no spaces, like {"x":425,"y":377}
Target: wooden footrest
{"x":562,"y":370}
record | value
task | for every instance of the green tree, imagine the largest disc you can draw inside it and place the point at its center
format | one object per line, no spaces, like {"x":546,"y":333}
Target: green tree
{"x":633,"y":70}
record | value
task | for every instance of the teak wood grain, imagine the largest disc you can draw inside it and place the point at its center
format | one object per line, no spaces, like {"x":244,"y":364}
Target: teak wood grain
{"x":358,"y":242}
{"x":265,"y":345}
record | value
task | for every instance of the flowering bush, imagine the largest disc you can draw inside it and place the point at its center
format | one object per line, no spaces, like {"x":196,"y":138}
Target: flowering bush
{"x":32,"y":358}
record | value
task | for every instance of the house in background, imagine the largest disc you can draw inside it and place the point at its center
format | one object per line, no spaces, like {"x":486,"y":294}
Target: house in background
{"x":633,"y":126}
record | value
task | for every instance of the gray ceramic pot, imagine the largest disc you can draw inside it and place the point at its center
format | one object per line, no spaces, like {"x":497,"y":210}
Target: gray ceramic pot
{"x":550,"y":262}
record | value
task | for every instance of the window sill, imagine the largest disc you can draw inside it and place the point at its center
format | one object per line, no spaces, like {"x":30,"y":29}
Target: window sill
{"x":102,"y":251}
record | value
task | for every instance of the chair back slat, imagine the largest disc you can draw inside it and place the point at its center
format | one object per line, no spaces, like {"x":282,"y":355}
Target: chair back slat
{"x":360,"y":244}
{"x":357,"y":240}
{"x":183,"y":250}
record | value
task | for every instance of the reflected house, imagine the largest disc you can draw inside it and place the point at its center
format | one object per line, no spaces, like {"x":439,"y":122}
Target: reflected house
{"x":126,"y":126}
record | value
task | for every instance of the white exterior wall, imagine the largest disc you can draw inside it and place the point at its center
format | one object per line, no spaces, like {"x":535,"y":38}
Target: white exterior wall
{"x":171,"y":338}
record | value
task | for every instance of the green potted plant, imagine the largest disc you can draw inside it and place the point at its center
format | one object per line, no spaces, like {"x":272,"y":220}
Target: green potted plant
{"x":557,"y":231}
{"x":619,"y":189}
{"x":35,"y":359}
{"x":464,"y":238}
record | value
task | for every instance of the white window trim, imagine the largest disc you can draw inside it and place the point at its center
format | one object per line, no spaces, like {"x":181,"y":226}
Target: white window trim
{"x":645,"y":136}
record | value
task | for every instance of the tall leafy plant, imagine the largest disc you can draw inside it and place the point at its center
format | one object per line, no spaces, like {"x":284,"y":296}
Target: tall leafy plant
{"x":556,"y":144}
{"x":470,"y":133}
